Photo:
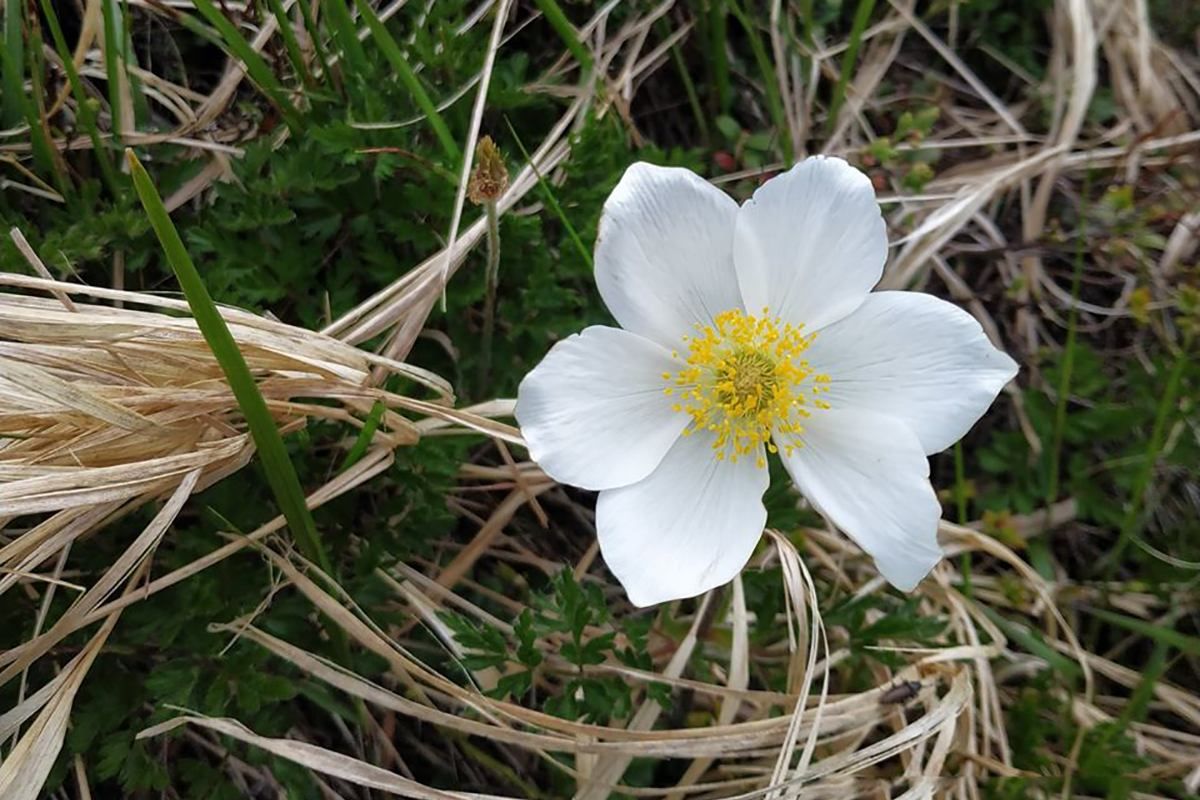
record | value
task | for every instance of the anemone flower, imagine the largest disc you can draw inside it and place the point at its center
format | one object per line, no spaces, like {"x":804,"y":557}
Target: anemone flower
{"x":746,"y":331}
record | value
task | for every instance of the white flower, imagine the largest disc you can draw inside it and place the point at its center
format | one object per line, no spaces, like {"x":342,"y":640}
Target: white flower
{"x":745,"y":330}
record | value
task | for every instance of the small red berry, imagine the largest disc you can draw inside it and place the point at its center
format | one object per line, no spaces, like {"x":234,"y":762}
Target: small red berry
{"x":724,"y":161}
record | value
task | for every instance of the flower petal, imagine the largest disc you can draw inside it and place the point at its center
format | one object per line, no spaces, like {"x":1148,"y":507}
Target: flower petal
{"x":811,"y":243}
{"x":868,"y":473}
{"x":914,"y":357}
{"x":664,"y":254}
{"x":593,"y":413}
{"x":687,"y":528}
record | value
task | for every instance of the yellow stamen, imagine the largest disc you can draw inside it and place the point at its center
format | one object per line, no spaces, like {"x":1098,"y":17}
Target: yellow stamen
{"x":744,"y":380}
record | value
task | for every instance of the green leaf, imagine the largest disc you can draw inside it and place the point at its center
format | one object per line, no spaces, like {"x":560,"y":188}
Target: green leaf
{"x":728,"y":127}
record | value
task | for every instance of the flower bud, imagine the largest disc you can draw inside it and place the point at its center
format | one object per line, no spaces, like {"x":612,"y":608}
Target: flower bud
{"x":490,"y":177}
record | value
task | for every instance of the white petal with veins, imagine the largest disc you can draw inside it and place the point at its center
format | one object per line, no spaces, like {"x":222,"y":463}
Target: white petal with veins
{"x":914,"y":357}
{"x":811,"y":243}
{"x":868,"y":473}
{"x":664,"y":253}
{"x":690,"y":526}
{"x":593,"y":411}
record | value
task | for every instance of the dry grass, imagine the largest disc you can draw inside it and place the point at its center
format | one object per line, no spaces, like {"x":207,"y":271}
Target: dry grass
{"x":111,"y":401}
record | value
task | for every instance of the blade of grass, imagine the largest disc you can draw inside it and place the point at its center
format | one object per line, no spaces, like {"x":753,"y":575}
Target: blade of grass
{"x":281,"y":474}
{"x":862,"y":15}
{"x":548,"y":195}
{"x":12,"y":111}
{"x":1032,"y":641}
{"x":566,"y":31}
{"x":685,"y":77}
{"x":16,"y":103}
{"x":1139,"y":702}
{"x":1189,"y":645}
{"x":370,"y":425}
{"x":1039,"y":547}
{"x":138,"y":99}
{"x":767,"y":71}
{"x":1131,"y":522}
{"x":1121,"y":786}
{"x":46,"y":154}
{"x":391,"y":51}
{"x":133,"y":103}
{"x":960,"y":502}
{"x":718,"y":60}
{"x":290,"y":42}
{"x":256,"y":67}
{"x":1068,"y":367}
{"x":113,"y":67}
{"x":806,"y":17}
{"x":341,"y":25}
{"x":85,"y":106}
{"x":315,"y":37}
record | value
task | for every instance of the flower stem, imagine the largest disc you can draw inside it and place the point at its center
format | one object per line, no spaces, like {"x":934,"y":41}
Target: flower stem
{"x":492,"y":278}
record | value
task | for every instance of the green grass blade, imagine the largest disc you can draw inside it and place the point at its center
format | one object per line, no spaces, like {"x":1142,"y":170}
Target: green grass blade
{"x":345,"y":35}
{"x":718,"y":59}
{"x":685,"y":77}
{"x":12,"y":111}
{"x":391,"y":51}
{"x":256,"y":67}
{"x":1152,"y":671}
{"x":862,"y":15}
{"x":770,"y":84}
{"x":111,"y":13}
{"x":806,"y":19}
{"x":370,"y":425}
{"x":1068,"y":362}
{"x":281,"y":474}
{"x":548,"y":195}
{"x":1032,"y":641}
{"x":45,"y":153}
{"x":566,"y":31}
{"x":1189,"y":645}
{"x":316,"y":38}
{"x":290,"y":42}
{"x":120,"y":43}
{"x":960,"y":502}
{"x":86,"y":108}
{"x":1131,"y":522}
{"x":19,"y":106}
{"x":1039,"y":547}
